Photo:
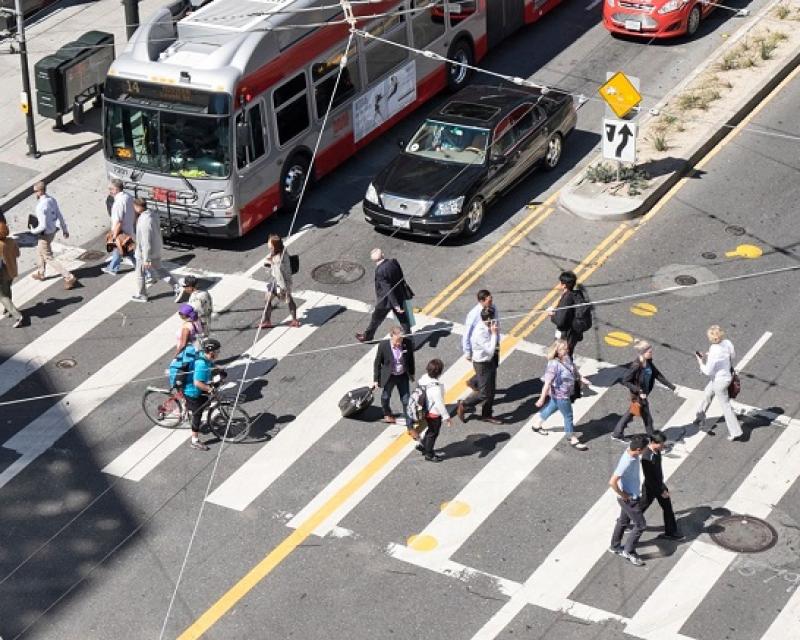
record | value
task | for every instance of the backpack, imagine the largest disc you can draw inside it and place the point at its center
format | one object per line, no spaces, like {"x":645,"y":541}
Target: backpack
{"x":181,"y":366}
{"x":417,"y":405}
{"x":582,"y":319}
{"x":294,"y":264}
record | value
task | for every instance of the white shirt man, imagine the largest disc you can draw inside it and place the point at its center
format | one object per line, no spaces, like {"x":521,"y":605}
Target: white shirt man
{"x":123,"y":221}
{"x":48,"y":221}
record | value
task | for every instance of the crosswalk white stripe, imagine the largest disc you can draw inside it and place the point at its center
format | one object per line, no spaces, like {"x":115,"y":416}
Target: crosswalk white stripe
{"x":153,"y":447}
{"x":38,"y":436}
{"x":564,"y":569}
{"x":677,"y":596}
{"x":492,"y":485}
{"x":452,"y":375}
{"x":27,"y":288}
{"x":787,"y":622}
{"x":271,"y":461}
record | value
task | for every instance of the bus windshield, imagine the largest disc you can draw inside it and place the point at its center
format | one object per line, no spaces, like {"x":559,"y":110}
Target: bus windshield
{"x":171,"y":142}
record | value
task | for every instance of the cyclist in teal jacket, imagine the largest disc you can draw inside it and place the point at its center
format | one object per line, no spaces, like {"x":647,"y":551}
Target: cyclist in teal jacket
{"x":198,"y":390}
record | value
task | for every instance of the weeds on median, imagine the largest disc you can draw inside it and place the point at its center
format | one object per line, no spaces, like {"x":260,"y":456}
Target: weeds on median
{"x":632,"y":177}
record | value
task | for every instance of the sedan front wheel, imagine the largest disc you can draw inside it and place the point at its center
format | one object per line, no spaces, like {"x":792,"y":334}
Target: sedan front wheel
{"x":475,"y":214}
{"x":552,"y":156}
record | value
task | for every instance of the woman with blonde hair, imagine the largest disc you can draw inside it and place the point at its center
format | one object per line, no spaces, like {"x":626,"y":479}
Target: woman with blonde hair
{"x":9,"y":252}
{"x":559,"y":378}
{"x":717,"y":364}
{"x":281,"y":286}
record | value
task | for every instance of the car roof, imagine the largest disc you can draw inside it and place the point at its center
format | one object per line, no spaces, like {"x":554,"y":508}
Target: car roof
{"x":481,"y":105}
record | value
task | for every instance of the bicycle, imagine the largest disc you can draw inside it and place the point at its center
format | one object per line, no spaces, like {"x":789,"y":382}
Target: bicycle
{"x":167,"y":408}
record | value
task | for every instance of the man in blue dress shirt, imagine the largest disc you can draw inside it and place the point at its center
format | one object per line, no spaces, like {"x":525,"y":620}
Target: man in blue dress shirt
{"x":626,"y":483}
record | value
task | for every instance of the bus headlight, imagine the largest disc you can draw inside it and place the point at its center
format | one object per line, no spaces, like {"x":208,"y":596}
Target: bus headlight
{"x":372,"y":194}
{"x":223,"y":202}
{"x":449,"y":207}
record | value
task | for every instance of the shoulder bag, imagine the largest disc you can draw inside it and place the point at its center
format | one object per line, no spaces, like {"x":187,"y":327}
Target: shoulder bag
{"x":735,"y":386}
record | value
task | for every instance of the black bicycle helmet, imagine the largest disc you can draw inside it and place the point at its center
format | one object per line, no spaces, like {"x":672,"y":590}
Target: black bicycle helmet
{"x":211,"y":344}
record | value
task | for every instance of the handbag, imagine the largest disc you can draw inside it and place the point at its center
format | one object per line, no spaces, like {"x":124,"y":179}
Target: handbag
{"x":408,"y":307}
{"x":635,"y":409}
{"x":735,"y":386}
{"x":294,"y":264}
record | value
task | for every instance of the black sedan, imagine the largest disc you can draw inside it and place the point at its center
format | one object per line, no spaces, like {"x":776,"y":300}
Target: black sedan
{"x":474,"y":148}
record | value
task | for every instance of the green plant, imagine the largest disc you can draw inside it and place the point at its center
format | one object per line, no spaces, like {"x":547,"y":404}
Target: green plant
{"x":782,"y":11}
{"x":659,"y":140}
{"x":601,"y":172}
{"x":766,"y":49}
{"x":635,"y":178}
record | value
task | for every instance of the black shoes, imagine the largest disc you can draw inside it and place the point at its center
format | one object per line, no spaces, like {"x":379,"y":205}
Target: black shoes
{"x":434,"y":457}
{"x":672,"y":536}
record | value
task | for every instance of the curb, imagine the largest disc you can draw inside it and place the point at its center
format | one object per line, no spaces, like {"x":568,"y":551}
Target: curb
{"x":630,"y":208}
{"x":20,"y":193}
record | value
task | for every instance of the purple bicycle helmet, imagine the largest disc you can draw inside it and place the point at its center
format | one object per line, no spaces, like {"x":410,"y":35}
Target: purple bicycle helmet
{"x":187,"y":311}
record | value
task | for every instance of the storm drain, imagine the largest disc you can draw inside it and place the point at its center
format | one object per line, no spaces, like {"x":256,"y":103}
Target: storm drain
{"x":743,"y":534}
{"x":338,"y":272}
{"x":685,"y":281}
{"x":709,"y":255}
{"x":735,"y":230}
{"x":66,"y":363}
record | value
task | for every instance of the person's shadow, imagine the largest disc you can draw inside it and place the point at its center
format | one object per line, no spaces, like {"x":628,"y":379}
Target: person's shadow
{"x":475,"y":443}
{"x":51,"y":306}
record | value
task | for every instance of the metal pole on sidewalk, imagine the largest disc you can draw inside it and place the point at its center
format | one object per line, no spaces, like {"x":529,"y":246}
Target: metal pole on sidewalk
{"x":131,"y":16}
{"x":27,"y":103}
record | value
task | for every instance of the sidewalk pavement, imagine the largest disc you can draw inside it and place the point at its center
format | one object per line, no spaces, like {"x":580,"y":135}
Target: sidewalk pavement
{"x":61,"y":151}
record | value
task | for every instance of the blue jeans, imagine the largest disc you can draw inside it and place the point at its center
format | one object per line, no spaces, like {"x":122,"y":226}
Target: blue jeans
{"x":116,"y":260}
{"x":564,"y":406}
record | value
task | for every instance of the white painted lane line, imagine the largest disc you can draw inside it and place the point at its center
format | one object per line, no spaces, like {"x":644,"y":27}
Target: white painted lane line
{"x":26,"y":289}
{"x":449,"y":378}
{"x":685,"y":587}
{"x":787,"y":622}
{"x":273,"y":459}
{"x":67,"y":332}
{"x":491,"y":486}
{"x":44,"y":431}
{"x":747,"y":357}
{"x":153,"y":447}
{"x":551,"y":585}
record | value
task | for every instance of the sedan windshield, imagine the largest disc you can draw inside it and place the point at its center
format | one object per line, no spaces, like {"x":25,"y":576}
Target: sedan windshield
{"x":449,"y":142}
{"x":170,"y":142}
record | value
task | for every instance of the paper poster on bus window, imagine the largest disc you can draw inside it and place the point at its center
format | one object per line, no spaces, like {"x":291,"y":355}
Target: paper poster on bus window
{"x":385,"y":99}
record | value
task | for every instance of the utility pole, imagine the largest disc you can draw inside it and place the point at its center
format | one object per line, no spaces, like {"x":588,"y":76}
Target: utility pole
{"x":131,"y":16}
{"x":27,"y":103}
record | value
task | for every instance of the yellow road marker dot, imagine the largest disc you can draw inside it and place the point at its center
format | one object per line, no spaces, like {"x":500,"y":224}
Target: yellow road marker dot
{"x":644,"y":309}
{"x":749,"y":251}
{"x":456,"y":508}
{"x":422,"y":543}
{"x":619,"y":339}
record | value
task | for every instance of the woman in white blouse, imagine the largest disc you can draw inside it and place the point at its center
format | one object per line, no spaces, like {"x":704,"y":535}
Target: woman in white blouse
{"x":717,"y":365}
{"x":437,"y":410}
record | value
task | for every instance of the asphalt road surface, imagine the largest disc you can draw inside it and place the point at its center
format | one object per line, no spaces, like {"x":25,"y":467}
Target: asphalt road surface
{"x":322,"y":527}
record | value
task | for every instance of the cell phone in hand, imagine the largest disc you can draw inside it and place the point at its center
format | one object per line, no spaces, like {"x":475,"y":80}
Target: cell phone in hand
{"x":698,"y":354}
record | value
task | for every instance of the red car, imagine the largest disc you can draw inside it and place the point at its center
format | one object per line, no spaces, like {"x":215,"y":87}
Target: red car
{"x":655,"y":18}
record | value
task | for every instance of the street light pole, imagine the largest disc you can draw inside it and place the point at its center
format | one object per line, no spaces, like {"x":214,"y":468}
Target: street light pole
{"x":131,"y":16}
{"x":27,"y":105}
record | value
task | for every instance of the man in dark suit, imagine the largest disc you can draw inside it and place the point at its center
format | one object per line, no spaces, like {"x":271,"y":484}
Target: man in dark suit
{"x":394,"y":368}
{"x":391,"y":292}
{"x":653,"y":487}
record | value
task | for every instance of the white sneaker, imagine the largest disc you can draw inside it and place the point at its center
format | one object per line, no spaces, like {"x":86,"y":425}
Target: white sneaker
{"x":178,"y":292}
{"x":139,"y":298}
{"x":635,"y":560}
{"x":110,"y":272}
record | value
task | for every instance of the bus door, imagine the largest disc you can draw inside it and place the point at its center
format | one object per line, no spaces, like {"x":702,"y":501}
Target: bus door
{"x":251,"y":152}
{"x":503,"y":17}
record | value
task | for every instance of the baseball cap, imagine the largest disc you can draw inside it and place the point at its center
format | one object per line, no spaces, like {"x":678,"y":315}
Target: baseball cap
{"x":189,"y":281}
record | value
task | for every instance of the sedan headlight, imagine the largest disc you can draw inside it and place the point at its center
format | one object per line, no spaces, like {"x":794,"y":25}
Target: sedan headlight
{"x":672,"y":5}
{"x":224,"y":202}
{"x":372,"y":194}
{"x":449,"y":207}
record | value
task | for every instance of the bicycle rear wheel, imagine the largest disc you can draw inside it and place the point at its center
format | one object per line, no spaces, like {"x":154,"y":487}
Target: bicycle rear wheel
{"x":229,"y":423}
{"x":163,"y":408}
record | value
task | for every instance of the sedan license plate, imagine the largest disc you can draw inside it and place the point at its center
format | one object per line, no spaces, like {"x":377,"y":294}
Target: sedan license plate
{"x":633,"y":25}
{"x":401,"y":224}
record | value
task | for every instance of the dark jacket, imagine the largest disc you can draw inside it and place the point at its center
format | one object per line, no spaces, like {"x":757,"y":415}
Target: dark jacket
{"x":391,"y":289}
{"x":634,"y":378}
{"x":383,"y":361}
{"x":653,"y":475}
{"x":563,"y":317}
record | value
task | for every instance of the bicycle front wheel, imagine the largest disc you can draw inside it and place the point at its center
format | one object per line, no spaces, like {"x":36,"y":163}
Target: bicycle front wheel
{"x":163,"y":408}
{"x":229,"y":423}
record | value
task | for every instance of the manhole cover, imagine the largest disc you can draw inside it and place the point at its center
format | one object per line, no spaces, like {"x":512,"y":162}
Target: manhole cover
{"x":709,"y":255}
{"x":743,"y":534}
{"x":685,"y":281}
{"x":66,"y":363}
{"x":91,"y":256}
{"x":337,"y":272}
{"x":735,"y":230}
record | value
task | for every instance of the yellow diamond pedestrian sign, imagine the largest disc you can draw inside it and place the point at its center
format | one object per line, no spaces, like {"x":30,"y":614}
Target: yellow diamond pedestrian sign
{"x":620,"y":94}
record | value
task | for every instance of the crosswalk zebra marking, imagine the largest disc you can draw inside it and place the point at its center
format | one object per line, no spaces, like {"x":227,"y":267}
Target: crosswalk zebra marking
{"x":158,"y":443}
{"x":27,"y":288}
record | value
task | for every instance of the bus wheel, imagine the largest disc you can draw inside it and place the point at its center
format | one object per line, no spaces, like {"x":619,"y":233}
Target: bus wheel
{"x":292,"y":181}
{"x":458,"y":76}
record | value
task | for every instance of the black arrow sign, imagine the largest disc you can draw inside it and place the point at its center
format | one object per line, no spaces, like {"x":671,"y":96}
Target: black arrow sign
{"x":611,"y":129}
{"x":624,"y":133}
